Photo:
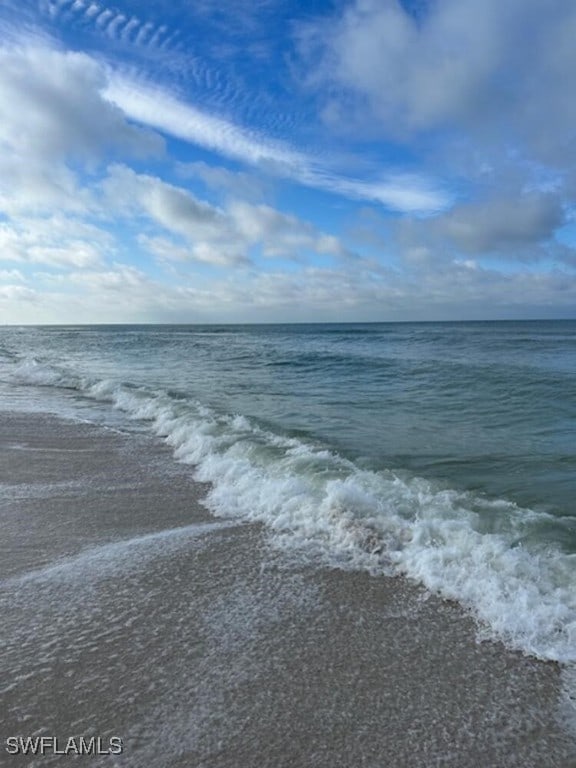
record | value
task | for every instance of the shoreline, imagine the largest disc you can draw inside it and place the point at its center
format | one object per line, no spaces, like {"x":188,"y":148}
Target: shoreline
{"x":131,"y":611}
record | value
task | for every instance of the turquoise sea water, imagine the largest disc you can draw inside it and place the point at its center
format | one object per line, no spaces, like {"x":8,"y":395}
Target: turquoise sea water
{"x":442,"y":451}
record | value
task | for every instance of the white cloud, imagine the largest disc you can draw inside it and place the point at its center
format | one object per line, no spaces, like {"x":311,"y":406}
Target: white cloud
{"x":278,"y":233}
{"x":214,"y":235}
{"x":483,"y":88}
{"x":330,"y":294}
{"x":160,"y":110}
{"x":70,"y":106}
{"x":519,"y":227}
{"x":52,"y":241}
{"x":11,"y":275}
{"x":51,"y":108}
{"x":63,"y":123}
{"x":172,"y":207}
{"x":157,"y":108}
{"x":448,"y":291}
{"x":408,"y":193}
{"x":220,"y":255}
{"x":108,"y":21}
{"x":499,"y":71}
{"x":52,"y":113}
{"x":503,"y":224}
{"x":10,"y":298}
{"x":119,"y":278}
{"x":39,"y":187}
{"x":236,"y":184}
{"x":130,"y":28}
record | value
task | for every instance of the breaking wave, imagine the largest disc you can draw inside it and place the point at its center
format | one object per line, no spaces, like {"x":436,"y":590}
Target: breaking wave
{"x":484,"y":553}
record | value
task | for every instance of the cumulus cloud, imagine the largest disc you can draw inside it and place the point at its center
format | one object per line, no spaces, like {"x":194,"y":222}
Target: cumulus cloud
{"x":444,"y":291}
{"x":233,"y":183}
{"x":222,"y":254}
{"x":502,"y":224}
{"x":499,"y":70}
{"x":53,"y":122}
{"x":35,"y":241}
{"x":519,"y":228}
{"x":280,"y":234}
{"x":51,"y":106}
{"x":39,"y":187}
{"x":119,"y":278}
{"x":481,"y":89}
{"x":10,"y":298}
{"x":220,"y":236}
{"x":11,"y":275}
{"x":81,"y":296}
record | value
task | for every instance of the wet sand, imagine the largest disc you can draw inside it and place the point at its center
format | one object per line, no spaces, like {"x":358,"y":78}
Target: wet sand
{"x":128,"y":610}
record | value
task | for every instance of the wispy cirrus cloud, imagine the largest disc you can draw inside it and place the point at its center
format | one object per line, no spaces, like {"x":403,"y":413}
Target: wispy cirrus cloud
{"x":161,"y":110}
{"x":157,"y":107}
{"x":112,"y":22}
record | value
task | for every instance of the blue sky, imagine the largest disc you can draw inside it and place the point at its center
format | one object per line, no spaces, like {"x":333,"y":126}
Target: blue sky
{"x":263,"y":161}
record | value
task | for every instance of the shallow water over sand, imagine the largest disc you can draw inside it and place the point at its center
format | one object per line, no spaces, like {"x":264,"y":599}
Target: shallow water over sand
{"x":128,"y":610}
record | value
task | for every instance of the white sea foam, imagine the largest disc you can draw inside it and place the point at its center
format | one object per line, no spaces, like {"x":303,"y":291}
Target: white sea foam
{"x":105,"y":560}
{"x":326,"y":507}
{"x":32,"y":371}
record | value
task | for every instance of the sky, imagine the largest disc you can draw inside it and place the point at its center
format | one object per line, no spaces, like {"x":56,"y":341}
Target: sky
{"x":194,"y":161}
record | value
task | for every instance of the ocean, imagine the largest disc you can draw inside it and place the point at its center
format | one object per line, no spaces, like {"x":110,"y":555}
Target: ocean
{"x":439,"y":454}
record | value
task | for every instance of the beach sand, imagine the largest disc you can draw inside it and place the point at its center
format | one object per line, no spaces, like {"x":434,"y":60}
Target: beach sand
{"x":128,"y":610}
